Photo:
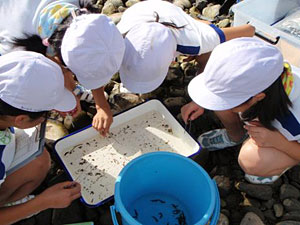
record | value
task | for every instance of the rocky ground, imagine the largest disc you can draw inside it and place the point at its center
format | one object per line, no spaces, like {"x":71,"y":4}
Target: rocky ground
{"x":241,"y":203}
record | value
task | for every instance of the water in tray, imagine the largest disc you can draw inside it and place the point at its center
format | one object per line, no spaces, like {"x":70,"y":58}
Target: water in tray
{"x":159,"y":209}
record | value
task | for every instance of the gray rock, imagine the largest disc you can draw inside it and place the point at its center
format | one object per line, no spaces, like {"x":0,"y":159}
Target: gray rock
{"x":99,"y":3}
{"x":223,"y":220}
{"x":131,"y":2}
{"x":54,"y":131}
{"x":108,"y":9}
{"x":294,"y":174}
{"x":116,"y":3}
{"x":121,"y":9}
{"x":174,"y":102}
{"x":211,"y":11}
{"x":175,"y":76}
{"x":291,"y":204}
{"x":194,"y":12}
{"x":116,"y":17}
{"x":259,"y":191}
{"x":294,"y":215}
{"x":251,"y":219}
{"x":223,"y":203}
{"x":269,"y":204}
{"x":224,"y":184}
{"x":176,"y":91}
{"x":223,"y":23}
{"x":157,"y":93}
{"x":125,"y":100}
{"x":182,"y":3}
{"x":288,"y":222}
{"x":278,"y":209}
{"x":288,"y":191}
{"x":269,"y":215}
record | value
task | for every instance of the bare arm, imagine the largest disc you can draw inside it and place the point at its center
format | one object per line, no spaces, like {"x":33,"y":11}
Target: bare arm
{"x":246,"y":30}
{"x":274,"y":139}
{"x":103,"y":118}
{"x":58,"y":196}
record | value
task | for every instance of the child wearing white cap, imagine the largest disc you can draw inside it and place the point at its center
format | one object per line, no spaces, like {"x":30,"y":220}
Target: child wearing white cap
{"x":156,"y":32}
{"x":30,"y":85}
{"x":247,"y":78}
{"x":89,"y":45}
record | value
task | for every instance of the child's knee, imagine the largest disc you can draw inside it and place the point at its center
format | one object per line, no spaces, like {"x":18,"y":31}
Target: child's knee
{"x":248,"y":159}
{"x":43,"y":162}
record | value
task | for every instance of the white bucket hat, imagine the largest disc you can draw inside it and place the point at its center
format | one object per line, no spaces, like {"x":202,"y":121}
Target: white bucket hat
{"x":150,"y":49}
{"x":93,"y":49}
{"x":236,"y":71}
{"x":32,"y":82}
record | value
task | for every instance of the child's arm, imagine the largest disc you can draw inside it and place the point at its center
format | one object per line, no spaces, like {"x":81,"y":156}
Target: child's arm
{"x":103,"y":118}
{"x":268,"y":138}
{"x":58,"y":196}
{"x":191,"y":111}
{"x":246,"y":30}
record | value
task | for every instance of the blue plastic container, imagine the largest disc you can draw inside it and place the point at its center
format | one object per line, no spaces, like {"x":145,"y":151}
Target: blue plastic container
{"x":165,"y":188}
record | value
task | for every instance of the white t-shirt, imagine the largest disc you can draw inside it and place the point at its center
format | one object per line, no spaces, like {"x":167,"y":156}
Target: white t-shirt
{"x":7,"y":151}
{"x":290,"y":126}
{"x":194,"y":38}
{"x":20,"y":16}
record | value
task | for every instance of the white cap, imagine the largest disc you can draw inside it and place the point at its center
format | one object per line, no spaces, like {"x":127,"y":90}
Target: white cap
{"x":150,"y":49}
{"x":32,"y":82}
{"x":93,"y":49}
{"x":236,"y":71}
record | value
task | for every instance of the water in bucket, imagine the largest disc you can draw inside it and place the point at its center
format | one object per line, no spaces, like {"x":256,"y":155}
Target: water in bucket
{"x":165,"y":188}
{"x":160,"y":209}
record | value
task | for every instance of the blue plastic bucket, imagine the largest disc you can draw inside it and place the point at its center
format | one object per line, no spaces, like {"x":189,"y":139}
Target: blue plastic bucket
{"x":165,"y":188}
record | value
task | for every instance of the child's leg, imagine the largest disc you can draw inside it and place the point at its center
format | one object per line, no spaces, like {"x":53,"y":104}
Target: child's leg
{"x":263,"y":162}
{"x":246,"y":30}
{"x":22,"y":182}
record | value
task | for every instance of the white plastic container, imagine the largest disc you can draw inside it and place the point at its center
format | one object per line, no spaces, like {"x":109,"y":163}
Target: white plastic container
{"x":95,"y":161}
{"x":263,"y":14}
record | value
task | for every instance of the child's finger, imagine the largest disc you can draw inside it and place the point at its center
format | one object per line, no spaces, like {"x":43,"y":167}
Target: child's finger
{"x":195,"y":114}
{"x":75,"y":196}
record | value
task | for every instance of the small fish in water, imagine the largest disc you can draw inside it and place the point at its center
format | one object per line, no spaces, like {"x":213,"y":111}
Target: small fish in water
{"x":135,"y":214}
{"x":181,"y":219}
{"x":158,"y":200}
{"x":156,"y":220}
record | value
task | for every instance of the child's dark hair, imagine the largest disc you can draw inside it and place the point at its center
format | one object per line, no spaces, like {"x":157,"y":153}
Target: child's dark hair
{"x":168,"y":24}
{"x":34,"y":42}
{"x":8,"y":110}
{"x":275,"y":104}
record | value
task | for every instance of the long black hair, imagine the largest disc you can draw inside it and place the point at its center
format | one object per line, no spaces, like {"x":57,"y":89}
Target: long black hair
{"x":275,"y":104}
{"x":8,"y":110}
{"x":34,"y":42}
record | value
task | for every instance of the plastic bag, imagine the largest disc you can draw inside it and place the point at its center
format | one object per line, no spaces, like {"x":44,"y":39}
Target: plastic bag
{"x":291,"y":23}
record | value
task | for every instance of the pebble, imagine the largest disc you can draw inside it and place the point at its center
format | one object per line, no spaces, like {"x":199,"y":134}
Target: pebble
{"x":211,"y":11}
{"x":251,"y":219}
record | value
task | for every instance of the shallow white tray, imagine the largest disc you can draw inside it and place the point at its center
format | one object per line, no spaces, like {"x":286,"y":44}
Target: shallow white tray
{"x":95,"y":161}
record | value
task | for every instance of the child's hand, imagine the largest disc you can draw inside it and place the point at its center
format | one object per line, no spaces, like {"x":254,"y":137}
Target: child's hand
{"x":102,"y":120}
{"x":60,"y":195}
{"x":191,"y":111}
{"x":264,"y":137}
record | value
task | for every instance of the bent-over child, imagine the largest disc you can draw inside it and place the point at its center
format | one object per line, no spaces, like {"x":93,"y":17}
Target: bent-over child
{"x":246,"y":78}
{"x":30,"y":86}
{"x":156,"y":32}
{"x":89,"y":45}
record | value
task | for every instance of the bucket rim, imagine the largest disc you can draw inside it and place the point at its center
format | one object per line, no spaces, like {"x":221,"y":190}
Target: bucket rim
{"x":123,"y":211}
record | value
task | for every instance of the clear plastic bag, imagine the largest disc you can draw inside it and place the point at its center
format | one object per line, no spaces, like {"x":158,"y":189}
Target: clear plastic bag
{"x":291,"y":23}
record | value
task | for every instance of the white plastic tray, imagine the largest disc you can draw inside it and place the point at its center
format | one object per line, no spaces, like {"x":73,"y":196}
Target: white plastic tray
{"x":95,"y":161}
